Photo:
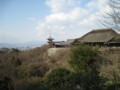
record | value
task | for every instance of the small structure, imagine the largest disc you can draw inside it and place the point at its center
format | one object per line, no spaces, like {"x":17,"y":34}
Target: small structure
{"x":59,"y":44}
{"x":101,"y":37}
{"x":50,"y":41}
{"x":67,"y":43}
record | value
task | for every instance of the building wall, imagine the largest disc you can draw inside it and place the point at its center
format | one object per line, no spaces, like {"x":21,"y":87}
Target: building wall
{"x":54,"y":51}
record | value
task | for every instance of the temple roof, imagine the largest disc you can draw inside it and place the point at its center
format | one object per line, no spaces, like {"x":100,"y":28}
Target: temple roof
{"x":99,"y":35}
{"x":50,"y":38}
{"x":65,"y":43}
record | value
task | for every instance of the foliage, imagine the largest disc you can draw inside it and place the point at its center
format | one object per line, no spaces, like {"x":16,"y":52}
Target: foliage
{"x":84,"y":62}
{"x":25,"y":69}
{"x":16,"y":61}
{"x":15,"y":50}
{"x":6,"y":84}
{"x":32,"y":71}
{"x":36,"y":71}
{"x":1,"y":52}
{"x":58,"y":78}
{"x":114,"y":87}
{"x":92,"y":81}
{"x":111,"y":68}
{"x":83,"y":58}
{"x":29,"y":84}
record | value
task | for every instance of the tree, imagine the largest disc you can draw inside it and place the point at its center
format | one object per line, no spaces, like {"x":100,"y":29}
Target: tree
{"x":30,"y":84}
{"x":58,"y":79}
{"x":111,"y":18}
{"x":6,"y":84}
{"x":92,"y":81}
{"x":15,"y":50}
{"x":83,"y":58}
{"x":16,"y":62}
{"x":84,"y":61}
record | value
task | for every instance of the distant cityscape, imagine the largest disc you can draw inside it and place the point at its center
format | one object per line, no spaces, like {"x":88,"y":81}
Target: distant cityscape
{"x":20,"y":46}
{"x":28,"y":44}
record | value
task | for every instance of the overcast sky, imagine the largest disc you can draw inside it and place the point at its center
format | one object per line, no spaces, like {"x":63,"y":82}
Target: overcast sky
{"x":33,"y":20}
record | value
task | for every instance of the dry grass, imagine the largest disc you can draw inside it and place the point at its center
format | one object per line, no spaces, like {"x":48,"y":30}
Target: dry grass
{"x":111,"y":65}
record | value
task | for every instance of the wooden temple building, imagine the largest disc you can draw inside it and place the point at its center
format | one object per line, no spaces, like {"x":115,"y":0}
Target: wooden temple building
{"x":101,"y":37}
{"x":59,"y":44}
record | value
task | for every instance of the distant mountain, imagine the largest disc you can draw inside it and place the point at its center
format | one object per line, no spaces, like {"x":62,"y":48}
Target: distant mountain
{"x":28,"y":44}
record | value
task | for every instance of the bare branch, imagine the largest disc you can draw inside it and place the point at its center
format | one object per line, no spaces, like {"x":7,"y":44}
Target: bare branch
{"x":112,"y":18}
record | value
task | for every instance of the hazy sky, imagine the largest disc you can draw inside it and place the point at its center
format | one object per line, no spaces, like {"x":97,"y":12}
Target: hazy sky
{"x":34,"y":20}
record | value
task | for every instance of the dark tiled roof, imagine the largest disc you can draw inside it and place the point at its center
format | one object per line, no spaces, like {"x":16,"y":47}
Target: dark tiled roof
{"x":50,"y":38}
{"x":65,"y":43}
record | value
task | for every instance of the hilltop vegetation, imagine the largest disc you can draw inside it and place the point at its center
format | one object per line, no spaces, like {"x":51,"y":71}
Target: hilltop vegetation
{"x":80,"y":67}
{"x":28,"y":66}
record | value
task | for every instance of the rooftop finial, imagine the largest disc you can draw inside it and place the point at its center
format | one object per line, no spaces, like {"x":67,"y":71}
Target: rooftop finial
{"x":50,"y":37}
{"x":50,"y":33}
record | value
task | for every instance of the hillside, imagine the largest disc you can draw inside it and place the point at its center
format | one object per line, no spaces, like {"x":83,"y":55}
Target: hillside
{"x":31,"y":65}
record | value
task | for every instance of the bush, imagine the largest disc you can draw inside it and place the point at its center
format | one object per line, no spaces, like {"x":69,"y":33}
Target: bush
{"x":58,"y":78}
{"x":37,"y":71}
{"x":30,"y":85}
{"x":6,"y":84}
{"x":83,"y":58}
{"x":114,"y":87}
{"x":1,"y":52}
{"x":16,"y":62}
{"x":92,"y":81}
{"x":15,"y":50}
{"x":32,"y":70}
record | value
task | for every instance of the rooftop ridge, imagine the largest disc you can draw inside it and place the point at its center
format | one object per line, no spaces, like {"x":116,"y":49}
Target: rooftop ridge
{"x":104,"y":29}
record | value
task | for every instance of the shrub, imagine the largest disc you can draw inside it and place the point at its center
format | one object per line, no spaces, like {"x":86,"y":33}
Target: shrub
{"x":92,"y":81}
{"x":114,"y":87}
{"x":29,"y":84}
{"x":15,"y":50}
{"x":16,"y":62}
{"x":32,"y":70}
{"x":6,"y":84}
{"x":58,"y":78}
{"x":1,"y":52}
{"x":37,"y":71}
{"x":83,"y":58}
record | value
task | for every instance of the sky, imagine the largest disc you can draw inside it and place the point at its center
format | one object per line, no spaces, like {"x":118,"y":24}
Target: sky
{"x":34,"y":20}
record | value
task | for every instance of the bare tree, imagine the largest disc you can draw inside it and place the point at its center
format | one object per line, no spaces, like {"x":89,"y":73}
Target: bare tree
{"x":111,"y":18}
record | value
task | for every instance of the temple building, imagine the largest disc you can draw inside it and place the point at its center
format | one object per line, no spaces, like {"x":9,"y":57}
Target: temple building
{"x":50,"y":41}
{"x":67,"y":43}
{"x":101,"y":37}
{"x":59,"y":44}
